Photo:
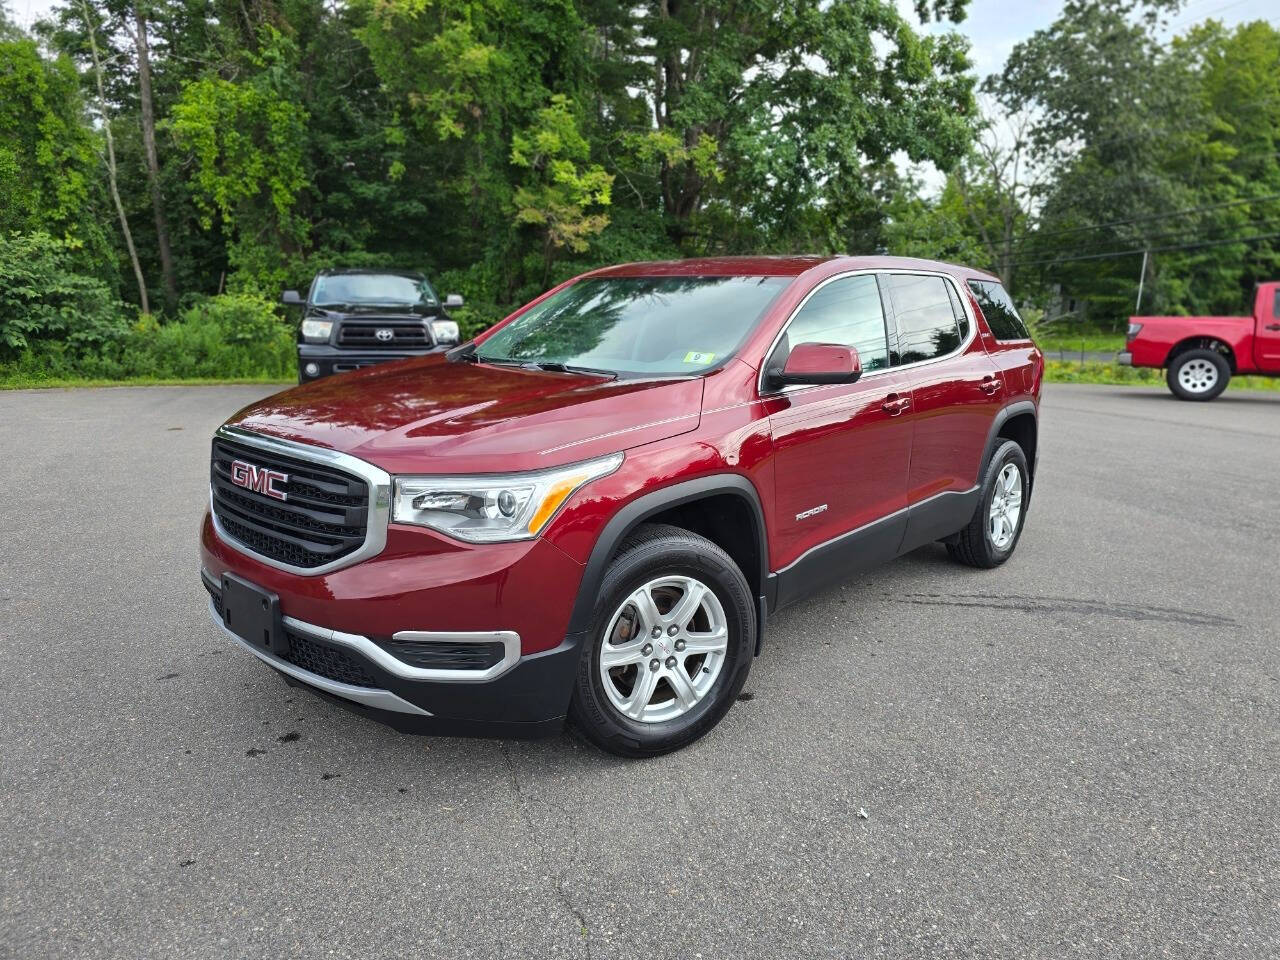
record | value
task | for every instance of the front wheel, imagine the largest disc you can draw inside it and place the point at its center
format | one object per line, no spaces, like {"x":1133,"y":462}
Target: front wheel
{"x":1198,"y":375}
{"x":671,"y":642}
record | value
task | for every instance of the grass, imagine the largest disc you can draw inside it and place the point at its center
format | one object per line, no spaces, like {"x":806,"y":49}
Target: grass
{"x":17,"y":381}
{"x":1115,"y":375}
{"x":1089,"y":343}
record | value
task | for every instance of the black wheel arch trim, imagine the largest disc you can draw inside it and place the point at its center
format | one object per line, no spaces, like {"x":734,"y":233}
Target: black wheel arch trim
{"x":1007,"y":413}
{"x":651,"y":504}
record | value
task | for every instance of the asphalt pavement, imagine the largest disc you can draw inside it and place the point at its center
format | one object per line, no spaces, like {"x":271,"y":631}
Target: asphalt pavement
{"x":1076,"y":755}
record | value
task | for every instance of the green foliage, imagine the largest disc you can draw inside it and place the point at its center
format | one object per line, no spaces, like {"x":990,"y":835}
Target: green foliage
{"x":502,"y":146}
{"x":1115,"y":375}
{"x":45,"y":296}
{"x":235,"y":336}
{"x":247,"y":139}
{"x":560,"y":186}
{"x":48,"y":154}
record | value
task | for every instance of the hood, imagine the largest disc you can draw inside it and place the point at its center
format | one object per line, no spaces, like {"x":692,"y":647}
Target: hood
{"x":427,"y":415}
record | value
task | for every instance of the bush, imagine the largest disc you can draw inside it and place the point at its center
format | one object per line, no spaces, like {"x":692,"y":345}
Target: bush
{"x":45,"y":298}
{"x":229,"y":337}
{"x":233,"y":336}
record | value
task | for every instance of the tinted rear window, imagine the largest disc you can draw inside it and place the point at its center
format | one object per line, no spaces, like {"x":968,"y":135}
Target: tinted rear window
{"x":927,"y":325}
{"x":997,"y":306}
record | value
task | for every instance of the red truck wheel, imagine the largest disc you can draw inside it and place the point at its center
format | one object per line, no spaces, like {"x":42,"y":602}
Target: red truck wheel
{"x":1198,"y":375}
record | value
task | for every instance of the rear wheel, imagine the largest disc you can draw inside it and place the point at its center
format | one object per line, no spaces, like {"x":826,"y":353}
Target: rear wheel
{"x":1198,"y":375}
{"x":670,"y":646}
{"x":992,"y":534}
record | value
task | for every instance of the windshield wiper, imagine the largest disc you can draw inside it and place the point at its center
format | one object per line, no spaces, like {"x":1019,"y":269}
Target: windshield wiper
{"x":557,"y":367}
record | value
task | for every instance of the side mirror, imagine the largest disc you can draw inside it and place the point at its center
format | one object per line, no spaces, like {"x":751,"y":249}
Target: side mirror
{"x":291,"y":298}
{"x":818,"y":363}
{"x":453,"y":300}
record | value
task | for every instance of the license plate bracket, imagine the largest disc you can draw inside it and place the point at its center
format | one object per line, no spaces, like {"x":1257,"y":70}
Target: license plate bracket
{"x":253,"y":614}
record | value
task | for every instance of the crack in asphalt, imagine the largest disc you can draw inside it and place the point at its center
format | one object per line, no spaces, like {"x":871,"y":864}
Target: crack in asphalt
{"x":1051,"y":605}
{"x":523,"y":813}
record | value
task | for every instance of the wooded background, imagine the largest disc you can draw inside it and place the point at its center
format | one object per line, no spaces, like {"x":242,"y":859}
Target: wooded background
{"x":167,"y":167}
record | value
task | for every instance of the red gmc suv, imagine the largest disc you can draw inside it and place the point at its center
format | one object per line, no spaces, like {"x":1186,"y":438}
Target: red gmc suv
{"x":591,"y":509}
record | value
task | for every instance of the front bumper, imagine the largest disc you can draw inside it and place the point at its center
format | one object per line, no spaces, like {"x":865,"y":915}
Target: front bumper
{"x":422,"y":588}
{"x":1124,"y":358}
{"x":328,"y":359}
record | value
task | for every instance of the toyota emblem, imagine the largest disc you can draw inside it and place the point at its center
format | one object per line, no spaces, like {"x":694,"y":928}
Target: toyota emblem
{"x":384,"y":334}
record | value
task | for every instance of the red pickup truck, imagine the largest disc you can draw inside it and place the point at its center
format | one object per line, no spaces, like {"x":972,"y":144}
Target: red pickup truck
{"x":1202,"y":353}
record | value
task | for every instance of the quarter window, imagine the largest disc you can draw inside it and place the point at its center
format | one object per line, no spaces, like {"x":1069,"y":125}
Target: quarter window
{"x":845,"y":311}
{"x":927,"y":325}
{"x":997,"y":306}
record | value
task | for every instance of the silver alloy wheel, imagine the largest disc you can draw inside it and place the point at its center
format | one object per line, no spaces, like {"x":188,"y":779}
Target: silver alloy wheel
{"x":1198,"y":376}
{"x":664,"y":649}
{"x":1006,"y":506}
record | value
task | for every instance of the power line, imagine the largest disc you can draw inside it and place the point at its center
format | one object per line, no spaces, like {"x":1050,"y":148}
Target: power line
{"x":1146,"y":219}
{"x":1127,"y":253}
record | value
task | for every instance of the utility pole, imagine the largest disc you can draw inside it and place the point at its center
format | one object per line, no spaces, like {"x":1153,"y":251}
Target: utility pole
{"x":1137,"y":305}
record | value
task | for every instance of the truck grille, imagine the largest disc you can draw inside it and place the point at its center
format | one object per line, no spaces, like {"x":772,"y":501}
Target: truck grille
{"x":323,"y":517}
{"x":364,"y":333}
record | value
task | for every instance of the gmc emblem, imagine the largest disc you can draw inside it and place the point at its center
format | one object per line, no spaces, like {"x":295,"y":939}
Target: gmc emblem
{"x":258,"y":479}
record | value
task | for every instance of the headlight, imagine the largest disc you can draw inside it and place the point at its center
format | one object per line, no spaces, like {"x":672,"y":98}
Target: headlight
{"x":317,"y":331}
{"x":446,"y":331}
{"x":495,"y":507}
{"x":1133,"y":331}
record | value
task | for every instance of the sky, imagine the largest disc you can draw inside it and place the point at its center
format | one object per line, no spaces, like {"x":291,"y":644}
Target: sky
{"x":994,"y":26}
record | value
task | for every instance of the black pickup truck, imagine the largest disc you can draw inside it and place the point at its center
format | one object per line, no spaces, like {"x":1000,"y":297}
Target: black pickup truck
{"x":356,"y":318}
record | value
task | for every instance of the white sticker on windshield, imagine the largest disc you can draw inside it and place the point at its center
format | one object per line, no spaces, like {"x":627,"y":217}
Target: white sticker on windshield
{"x":692,"y":357}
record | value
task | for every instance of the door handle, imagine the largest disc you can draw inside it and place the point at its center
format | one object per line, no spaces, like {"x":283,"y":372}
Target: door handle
{"x":894,"y":404}
{"x":990,"y":384}
{"x":1273,"y":326}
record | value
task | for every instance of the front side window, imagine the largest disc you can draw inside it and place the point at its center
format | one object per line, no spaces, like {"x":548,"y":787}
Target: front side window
{"x":638,"y":326}
{"x":845,"y":311}
{"x":927,"y":326}
{"x":997,"y":306}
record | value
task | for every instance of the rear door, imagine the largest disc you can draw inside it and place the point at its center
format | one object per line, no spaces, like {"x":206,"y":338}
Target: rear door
{"x":842,"y":451}
{"x":1007,"y":341}
{"x":956,"y":391}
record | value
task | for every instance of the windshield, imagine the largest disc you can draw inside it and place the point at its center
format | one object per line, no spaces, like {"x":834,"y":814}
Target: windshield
{"x":360,"y":288}
{"x":650,"y":326}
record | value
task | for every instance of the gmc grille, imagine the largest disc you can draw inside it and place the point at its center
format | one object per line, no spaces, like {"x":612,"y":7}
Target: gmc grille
{"x":323,"y":517}
{"x":364,"y":333}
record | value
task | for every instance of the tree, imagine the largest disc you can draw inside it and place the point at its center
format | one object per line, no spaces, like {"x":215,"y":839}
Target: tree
{"x":560,"y":187}
{"x":247,"y":140}
{"x":48,"y":155}
{"x":111,"y":161}
{"x":147,"y":113}
{"x":763,"y":107}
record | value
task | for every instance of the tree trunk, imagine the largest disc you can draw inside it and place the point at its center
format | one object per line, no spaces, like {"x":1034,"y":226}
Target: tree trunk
{"x":153,"y":163}
{"x":111,"y":158}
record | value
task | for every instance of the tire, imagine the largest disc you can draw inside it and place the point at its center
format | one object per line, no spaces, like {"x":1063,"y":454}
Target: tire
{"x":976,"y":545}
{"x":1198,"y":375}
{"x":667,"y":565}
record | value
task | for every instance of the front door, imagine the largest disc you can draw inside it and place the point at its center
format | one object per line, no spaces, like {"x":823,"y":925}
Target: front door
{"x":1267,"y":337}
{"x":842,"y":451}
